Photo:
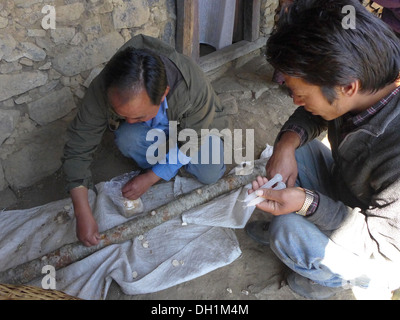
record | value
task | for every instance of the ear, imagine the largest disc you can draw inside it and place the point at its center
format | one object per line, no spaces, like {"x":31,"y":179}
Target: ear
{"x":165,"y":94}
{"x":351,"y":89}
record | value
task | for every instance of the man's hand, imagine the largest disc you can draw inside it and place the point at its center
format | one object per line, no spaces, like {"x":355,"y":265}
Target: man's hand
{"x":138,"y":185}
{"x":86,"y":226}
{"x":278,"y":202}
{"x":283,"y":159}
{"x":87,"y":229}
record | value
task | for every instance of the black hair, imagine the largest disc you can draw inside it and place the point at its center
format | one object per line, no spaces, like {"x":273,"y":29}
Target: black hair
{"x":133,"y":70}
{"x":311,"y":43}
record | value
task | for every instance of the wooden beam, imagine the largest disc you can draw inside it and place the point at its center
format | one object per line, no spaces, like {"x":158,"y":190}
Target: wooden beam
{"x":187,"y":33}
{"x":251,"y":17}
{"x":229,"y":53}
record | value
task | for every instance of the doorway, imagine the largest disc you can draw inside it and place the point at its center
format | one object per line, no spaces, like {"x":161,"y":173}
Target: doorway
{"x":235,"y":22}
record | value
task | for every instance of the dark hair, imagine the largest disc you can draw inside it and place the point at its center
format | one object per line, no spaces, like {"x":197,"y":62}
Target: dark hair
{"x":137,"y":69}
{"x":311,"y":43}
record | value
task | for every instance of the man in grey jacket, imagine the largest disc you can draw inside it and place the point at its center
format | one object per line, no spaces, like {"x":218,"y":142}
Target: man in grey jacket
{"x":337,"y":225}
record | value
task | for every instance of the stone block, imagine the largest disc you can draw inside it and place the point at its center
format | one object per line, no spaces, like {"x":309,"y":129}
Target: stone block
{"x":26,"y":3}
{"x":85,"y":57}
{"x":46,"y":66}
{"x":38,"y":156}
{"x":18,"y":83}
{"x":3,"y":182}
{"x":8,"y":120}
{"x":131,"y":14}
{"x":62,"y":35}
{"x":229,"y":103}
{"x":228,"y":85}
{"x":7,"y":103}
{"x":24,"y":98}
{"x":69,"y":12}
{"x":26,"y":62}
{"x":36,"y":33}
{"x":32,"y":51}
{"x":7,"y":45}
{"x":7,"y":198}
{"x":52,"y":107}
{"x":10,"y":67}
{"x":3,"y":22}
{"x":258,"y":84}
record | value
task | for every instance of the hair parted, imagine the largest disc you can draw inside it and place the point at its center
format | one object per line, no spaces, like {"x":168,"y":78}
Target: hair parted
{"x":133,"y":70}
{"x":311,"y":43}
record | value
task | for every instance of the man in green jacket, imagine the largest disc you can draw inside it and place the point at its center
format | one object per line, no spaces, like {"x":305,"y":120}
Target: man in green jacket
{"x":337,"y":224}
{"x":146,"y":90}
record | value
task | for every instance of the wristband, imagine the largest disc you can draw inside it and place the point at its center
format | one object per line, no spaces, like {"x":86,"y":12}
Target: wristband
{"x":307,"y":202}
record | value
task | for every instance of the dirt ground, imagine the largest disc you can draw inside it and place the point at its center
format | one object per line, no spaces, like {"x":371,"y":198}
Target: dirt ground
{"x":257,"y":274}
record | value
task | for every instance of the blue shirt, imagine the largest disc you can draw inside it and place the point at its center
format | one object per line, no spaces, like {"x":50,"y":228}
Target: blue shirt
{"x":168,"y":170}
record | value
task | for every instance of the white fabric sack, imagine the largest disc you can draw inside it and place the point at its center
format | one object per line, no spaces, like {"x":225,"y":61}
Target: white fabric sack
{"x":173,"y":253}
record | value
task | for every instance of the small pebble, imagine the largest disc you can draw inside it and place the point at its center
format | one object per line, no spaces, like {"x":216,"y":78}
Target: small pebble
{"x":141,"y":237}
{"x":229,"y":290}
{"x":245,"y":292}
{"x":153,"y":213}
{"x":134,"y":274}
{"x":175,"y":263}
{"x":145,"y":244}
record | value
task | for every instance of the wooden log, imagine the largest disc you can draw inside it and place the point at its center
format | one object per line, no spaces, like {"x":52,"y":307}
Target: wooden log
{"x":74,"y":252}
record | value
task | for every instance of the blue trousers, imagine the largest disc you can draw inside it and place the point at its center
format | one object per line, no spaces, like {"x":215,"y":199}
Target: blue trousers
{"x":310,"y":251}
{"x":131,"y":141}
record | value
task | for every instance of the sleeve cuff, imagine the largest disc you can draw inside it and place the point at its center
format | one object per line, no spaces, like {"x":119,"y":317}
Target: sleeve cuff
{"x":77,"y":183}
{"x":296,"y":129}
{"x":169,"y":170}
{"x":314,"y":205}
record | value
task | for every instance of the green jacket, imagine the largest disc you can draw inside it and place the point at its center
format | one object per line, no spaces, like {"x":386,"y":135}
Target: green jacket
{"x":193,"y":104}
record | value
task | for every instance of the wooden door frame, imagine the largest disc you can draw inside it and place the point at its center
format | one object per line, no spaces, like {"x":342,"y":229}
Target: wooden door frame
{"x":187,"y":33}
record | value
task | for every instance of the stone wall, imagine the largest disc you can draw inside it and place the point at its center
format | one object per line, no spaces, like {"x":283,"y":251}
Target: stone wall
{"x":44,"y":71}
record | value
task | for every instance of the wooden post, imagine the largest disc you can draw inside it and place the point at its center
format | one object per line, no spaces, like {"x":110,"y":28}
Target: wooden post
{"x":187,"y":32}
{"x":251,"y":17}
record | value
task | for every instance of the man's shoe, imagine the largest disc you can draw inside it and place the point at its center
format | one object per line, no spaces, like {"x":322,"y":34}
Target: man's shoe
{"x":310,"y":289}
{"x":258,"y":231}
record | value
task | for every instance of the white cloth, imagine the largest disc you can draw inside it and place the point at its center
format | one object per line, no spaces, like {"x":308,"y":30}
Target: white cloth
{"x":165,"y":256}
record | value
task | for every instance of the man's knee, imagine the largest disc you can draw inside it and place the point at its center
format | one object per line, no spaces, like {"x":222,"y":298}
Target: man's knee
{"x":279,"y":228}
{"x":209,"y":174}
{"x":212,"y":153}
{"x":131,"y":138}
{"x":287,"y":231}
{"x":131,"y":141}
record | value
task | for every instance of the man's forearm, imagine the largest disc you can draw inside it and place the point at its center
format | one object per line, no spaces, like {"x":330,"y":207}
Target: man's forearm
{"x":289,"y":139}
{"x":80,"y":199}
